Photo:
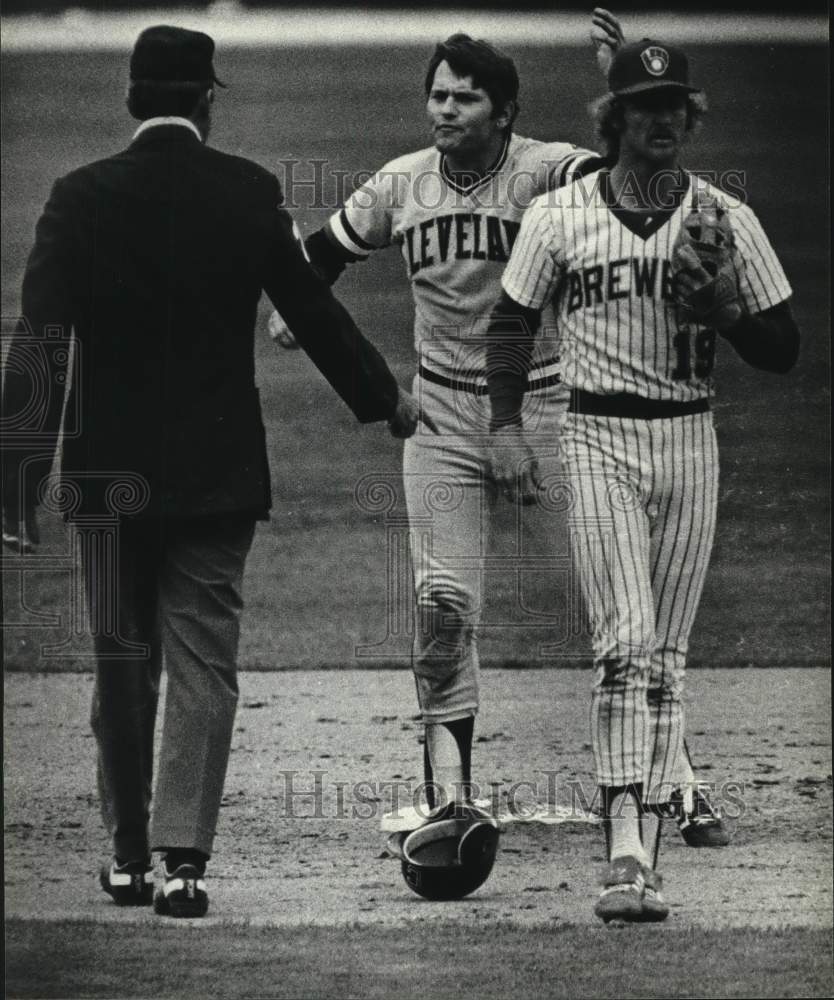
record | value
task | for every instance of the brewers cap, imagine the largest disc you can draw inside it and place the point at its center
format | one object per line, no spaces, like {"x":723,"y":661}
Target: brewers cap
{"x":649,"y":65}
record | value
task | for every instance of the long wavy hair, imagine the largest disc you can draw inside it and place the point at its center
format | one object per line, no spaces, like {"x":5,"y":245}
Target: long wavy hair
{"x":607,"y":115}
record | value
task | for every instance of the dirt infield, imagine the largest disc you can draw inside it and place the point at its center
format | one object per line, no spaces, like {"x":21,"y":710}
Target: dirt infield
{"x":759,"y":736}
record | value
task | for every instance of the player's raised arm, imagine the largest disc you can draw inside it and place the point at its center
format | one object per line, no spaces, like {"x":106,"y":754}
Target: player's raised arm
{"x":606,"y":35}
{"x":565,"y":162}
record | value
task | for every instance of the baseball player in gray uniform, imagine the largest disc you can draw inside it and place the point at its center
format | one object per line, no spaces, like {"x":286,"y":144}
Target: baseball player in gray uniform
{"x":649,"y":268}
{"x":454,"y":211}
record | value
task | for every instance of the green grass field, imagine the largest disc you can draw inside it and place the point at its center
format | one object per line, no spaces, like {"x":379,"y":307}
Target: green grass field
{"x":480,"y":962}
{"x":316,"y":583}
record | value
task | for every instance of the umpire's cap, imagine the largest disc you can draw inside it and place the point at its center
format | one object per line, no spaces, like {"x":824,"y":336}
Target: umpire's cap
{"x":164,"y":54}
{"x":649,"y":65}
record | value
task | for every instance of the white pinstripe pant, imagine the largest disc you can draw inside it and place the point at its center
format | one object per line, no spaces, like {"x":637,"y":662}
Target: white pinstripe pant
{"x":642,"y":525}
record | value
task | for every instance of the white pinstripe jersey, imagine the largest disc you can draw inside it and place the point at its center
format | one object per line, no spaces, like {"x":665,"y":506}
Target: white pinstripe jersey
{"x":612,"y":289}
{"x":455,"y":241}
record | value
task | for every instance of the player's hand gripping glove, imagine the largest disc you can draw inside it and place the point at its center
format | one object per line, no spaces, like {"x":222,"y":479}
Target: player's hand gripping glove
{"x":513,"y":465}
{"x":280,"y":332}
{"x":703,"y":267}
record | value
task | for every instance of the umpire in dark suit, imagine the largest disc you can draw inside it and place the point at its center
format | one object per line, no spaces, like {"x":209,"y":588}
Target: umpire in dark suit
{"x":156,"y":258}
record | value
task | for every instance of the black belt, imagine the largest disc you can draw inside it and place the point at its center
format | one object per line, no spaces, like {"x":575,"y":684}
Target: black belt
{"x":623,"y":404}
{"x":481,"y":390}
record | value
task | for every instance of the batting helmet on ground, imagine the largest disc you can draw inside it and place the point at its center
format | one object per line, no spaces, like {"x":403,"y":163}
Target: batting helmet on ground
{"x":452,"y":854}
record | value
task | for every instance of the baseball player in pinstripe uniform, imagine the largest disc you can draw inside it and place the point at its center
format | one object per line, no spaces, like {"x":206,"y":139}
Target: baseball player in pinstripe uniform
{"x":648,"y":267}
{"x":454,"y":210}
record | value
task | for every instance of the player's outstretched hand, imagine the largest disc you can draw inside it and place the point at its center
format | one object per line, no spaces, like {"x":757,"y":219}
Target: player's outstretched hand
{"x":607,"y":36}
{"x":407,"y":416}
{"x":280,"y":332}
{"x":20,"y":533}
{"x":513,"y":465}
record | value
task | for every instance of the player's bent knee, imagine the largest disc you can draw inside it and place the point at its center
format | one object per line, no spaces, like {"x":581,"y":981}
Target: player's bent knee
{"x":445,"y":660}
{"x":619,"y":673}
{"x":445,"y":629}
{"x":670,"y":696}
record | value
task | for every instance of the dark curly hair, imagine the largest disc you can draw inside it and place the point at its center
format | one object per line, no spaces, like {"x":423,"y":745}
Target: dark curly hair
{"x":489,"y":69}
{"x":607,"y":114}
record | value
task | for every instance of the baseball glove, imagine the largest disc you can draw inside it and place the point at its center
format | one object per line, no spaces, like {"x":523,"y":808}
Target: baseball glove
{"x":703,"y":266}
{"x":452,"y":854}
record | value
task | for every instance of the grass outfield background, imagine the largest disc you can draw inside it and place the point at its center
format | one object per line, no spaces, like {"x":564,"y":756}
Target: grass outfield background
{"x":315,"y":962}
{"x":317,"y":584}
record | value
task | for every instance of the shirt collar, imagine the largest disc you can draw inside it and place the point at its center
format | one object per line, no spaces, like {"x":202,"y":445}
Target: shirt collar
{"x":473,"y":181}
{"x":167,"y":120}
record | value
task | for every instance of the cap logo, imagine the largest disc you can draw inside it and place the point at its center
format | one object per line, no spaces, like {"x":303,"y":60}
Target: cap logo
{"x":655,"y":59}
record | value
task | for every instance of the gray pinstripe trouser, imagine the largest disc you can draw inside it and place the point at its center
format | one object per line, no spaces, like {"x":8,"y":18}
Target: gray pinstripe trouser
{"x":642,"y":525}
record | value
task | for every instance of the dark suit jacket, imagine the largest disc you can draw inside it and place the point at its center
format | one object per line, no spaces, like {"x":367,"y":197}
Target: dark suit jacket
{"x":157,"y":257}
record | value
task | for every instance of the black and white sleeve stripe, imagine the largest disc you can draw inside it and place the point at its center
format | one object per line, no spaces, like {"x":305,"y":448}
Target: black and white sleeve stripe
{"x":577,"y":163}
{"x":345,"y":235}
